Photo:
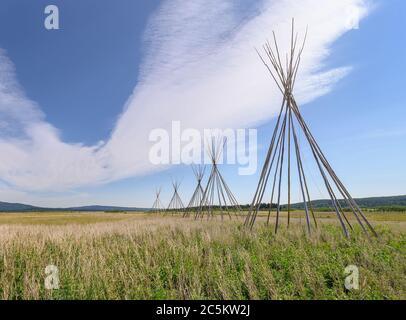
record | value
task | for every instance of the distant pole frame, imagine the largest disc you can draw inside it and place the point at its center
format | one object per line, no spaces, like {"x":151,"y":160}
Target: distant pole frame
{"x":217,"y":196}
{"x":288,"y":122}
{"x":158,"y":207}
{"x":175,"y":205}
{"x":197,"y":196}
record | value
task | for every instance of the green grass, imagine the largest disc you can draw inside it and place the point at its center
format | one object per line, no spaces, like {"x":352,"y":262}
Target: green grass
{"x":172,"y":258}
{"x":64,"y":218}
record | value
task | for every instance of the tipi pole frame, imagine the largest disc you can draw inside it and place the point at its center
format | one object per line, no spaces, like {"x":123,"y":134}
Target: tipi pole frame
{"x":285,"y":79}
{"x":157,"y":206}
{"x":197,"y":195}
{"x":176,"y":204}
{"x":217,"y":189}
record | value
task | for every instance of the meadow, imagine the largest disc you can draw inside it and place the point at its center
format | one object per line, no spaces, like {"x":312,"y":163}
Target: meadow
{"x":147,"y":256}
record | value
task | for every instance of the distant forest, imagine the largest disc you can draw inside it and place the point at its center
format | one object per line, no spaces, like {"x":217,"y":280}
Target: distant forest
{"x":393,"y":203}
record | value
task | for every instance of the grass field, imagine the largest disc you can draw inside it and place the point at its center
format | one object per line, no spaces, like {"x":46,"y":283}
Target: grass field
{"x":143,"y":256}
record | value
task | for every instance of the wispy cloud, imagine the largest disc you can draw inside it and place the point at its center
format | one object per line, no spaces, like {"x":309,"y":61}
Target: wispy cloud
{"x":200,"y":67}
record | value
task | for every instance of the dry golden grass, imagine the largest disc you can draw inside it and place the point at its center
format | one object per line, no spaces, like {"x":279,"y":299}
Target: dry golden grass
{"x":138,"y":256}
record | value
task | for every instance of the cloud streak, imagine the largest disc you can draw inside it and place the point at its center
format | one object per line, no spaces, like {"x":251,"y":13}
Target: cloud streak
{"x":199,"y":67}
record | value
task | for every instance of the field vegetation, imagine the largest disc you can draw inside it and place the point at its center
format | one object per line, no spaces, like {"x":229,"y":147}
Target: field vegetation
{"x":145,"y":256}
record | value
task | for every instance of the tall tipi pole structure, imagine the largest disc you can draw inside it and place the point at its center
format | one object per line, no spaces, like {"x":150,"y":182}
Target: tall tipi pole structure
{"x":176,"y":204}
{"x":285,"y":138}
{"x":197,"y":196}
{"x":157,"y":207}
{"x":217,"y":194}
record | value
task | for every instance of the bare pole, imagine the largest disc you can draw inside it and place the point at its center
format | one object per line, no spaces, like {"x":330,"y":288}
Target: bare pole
{"x":301,"y":172}
{"x":205,"y":203}
{"x":326,"y":182}
{"x":289,"y":77}
{"x":274,"y":182}
{"x":250,"y":219}
{"x":325,"y":163}
{"x":232,"y":199}
{"x":259,"y":193}
{"x":302,"y":178}
{"x":267,"y":169}
{"x":219,"y":198}
{"x":224,"y":200}
{"x":280,"y":174}
{"x":341,"y":187}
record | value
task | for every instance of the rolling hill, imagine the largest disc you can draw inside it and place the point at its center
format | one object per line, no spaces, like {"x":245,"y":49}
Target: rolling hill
{"x":372,"y":202}
{"x":20,"y":207}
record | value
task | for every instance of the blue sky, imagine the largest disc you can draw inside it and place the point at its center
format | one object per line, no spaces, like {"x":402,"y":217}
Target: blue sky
{"x":87,"y":94}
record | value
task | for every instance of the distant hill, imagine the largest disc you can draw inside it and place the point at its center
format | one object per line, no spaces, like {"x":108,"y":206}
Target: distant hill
{"x":20,"y":207}
{"x":391,"y":203}
{"x":372,"y":202}
{"x":7,"y":206}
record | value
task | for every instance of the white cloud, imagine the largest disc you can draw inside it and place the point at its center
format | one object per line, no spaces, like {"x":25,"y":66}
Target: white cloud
{"x":200,"y":67}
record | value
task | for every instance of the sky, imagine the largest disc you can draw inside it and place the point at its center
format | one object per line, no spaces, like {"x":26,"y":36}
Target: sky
{"x":77,"y":104}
